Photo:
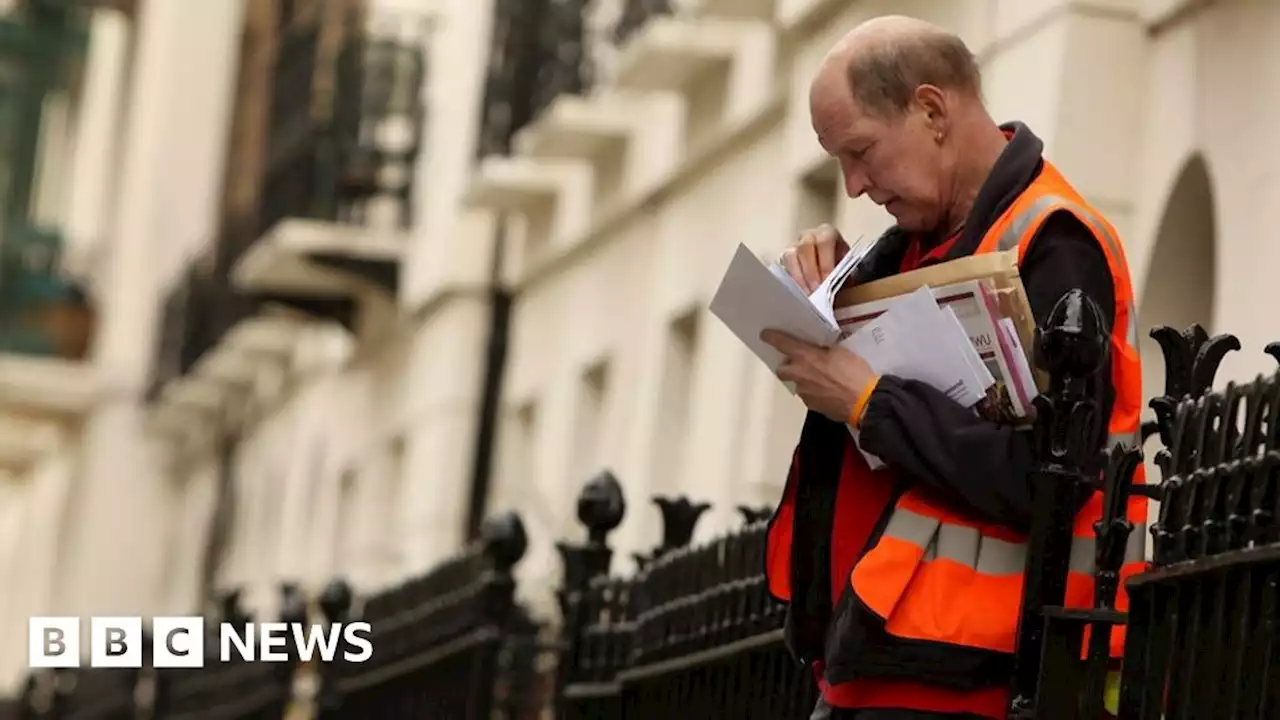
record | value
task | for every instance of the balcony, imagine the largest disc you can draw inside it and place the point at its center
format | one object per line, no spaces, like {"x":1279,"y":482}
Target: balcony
{"x":334,"y":219}
{"x":539,"y":52}
{"x":724,"y":48}
{"x":540,"y":130}
{"x":577,"y":122}
{"x":46,"y":327}
{"x":214,"y":341}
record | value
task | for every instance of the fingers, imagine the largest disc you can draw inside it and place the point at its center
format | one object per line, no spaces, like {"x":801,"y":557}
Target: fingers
{"x":813,"y":258}
{"x":790,"y":261}
{"x":780,"y":340}
{"x":788,"y":345}
{"x":788,"y":372}
{"x":807,"y":253}
{"x":826,"y":248}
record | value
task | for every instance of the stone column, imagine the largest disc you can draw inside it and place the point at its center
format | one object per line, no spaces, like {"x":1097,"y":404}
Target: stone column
{"x":180,"y":90}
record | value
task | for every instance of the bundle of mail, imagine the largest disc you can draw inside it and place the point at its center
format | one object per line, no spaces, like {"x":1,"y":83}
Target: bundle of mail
{"x":962,"y":326}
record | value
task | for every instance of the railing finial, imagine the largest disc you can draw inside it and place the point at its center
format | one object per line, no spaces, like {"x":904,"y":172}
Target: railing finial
{"x":679,"y":518}
{"x":601,"y":506}
{"x":505,"y":540}
{"x":1191,"y":361}
{"x":335,"y":599}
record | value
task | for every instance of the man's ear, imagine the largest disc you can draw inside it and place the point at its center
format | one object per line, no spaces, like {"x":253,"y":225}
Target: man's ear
{"x":933,"y":101}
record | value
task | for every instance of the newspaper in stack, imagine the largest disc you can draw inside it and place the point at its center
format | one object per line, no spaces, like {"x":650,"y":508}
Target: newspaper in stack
{"x":960,"y":326}
{"x":952,"y":334}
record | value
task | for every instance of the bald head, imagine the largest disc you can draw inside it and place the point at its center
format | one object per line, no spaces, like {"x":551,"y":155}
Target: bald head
{"x":884,"y":60}
{"x":898,"y":103}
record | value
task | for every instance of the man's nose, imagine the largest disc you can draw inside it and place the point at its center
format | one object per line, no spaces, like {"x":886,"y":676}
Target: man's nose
{"x":855,"y":182}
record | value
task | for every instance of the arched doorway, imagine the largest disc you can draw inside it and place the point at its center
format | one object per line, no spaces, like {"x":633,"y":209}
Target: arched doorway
{"x":1179,"y":288}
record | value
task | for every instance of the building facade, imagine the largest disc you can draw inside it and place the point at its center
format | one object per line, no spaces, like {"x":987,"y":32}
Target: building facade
{"x":361,"y":273}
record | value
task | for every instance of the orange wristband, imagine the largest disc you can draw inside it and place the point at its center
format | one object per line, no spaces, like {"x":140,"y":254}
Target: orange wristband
{"x":860,"y":405}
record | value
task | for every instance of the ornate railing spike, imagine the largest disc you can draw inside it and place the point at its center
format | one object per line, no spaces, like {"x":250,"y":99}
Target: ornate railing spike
{"x":679,"y":518}
{"x":1191,"y":360}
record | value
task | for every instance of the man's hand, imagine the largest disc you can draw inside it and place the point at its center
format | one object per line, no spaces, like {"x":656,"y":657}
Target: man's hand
{"x":828,"y":380}
{"x":813,"y":258}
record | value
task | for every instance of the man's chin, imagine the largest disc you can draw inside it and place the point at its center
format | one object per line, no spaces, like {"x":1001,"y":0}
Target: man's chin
{"x":907,"y":221}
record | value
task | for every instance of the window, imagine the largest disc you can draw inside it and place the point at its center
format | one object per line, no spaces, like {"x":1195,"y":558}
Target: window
{"x":589,"y":416}
{"x":673,"y":413}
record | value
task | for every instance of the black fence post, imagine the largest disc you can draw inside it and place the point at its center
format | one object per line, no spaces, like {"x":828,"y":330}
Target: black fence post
{"x":334,"y":604}
{"x":1071,"y":348}
{"x":601,"y":507}
{"x":504,"y":542}
{"x":293,"y":610}
{"x":335,"y":607}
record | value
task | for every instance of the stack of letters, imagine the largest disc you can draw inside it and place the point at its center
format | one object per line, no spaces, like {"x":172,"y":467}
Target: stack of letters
{"x":962,"y":326}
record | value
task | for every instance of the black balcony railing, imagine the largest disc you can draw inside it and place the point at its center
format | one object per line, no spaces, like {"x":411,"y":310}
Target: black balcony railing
{"x":346,"y":154}
{"x":379,"y":118}
{"x":172,"y":352}
{"x":636,"y":13}
{"x":539,"y":50}
{"x":197,"y":312}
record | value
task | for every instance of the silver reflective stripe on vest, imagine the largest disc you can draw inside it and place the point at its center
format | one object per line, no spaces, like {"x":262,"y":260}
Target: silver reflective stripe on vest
{"x":993,"y":556}
{"x":958,"y":543}
{"x":1021,"y":222}
{"x":912,"y":527}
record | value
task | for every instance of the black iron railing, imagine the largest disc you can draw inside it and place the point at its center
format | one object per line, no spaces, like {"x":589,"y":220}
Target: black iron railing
{"x":100,"y":694}
{"x":693,"y":633}
{"x":1204,"y":637}
{"x":77,"y":694}
{"x":238,"y":689}
{"x":452,"y":643}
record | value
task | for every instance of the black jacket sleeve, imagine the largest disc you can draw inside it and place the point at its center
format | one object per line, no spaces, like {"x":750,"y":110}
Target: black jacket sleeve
{"x":978,"y":465}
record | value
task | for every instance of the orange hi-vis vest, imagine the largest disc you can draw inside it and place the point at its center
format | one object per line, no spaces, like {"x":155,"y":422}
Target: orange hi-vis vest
{"x":936,"y":575}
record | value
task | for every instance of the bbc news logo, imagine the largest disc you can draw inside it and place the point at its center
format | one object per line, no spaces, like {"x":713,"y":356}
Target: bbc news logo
{"x":178,"y":642}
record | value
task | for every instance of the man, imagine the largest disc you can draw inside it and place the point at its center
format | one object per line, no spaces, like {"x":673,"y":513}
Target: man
{"x":904,"y":584}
